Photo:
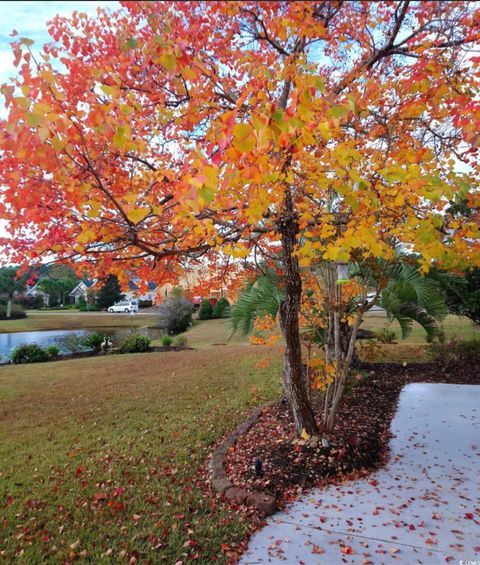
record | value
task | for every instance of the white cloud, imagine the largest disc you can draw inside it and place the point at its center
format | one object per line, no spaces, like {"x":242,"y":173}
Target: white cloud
{"x":29,"y":19}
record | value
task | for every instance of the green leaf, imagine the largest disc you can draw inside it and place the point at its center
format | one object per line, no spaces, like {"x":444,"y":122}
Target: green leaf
{"x":338,"y":111}
{"x":132,"y":43}
{"x":207,"y":193}
{"x":33,"y":119}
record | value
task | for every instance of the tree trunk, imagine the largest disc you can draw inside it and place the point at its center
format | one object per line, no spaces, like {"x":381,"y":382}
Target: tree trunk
{"x":345,"y":335}
{"x":293,"y":377}
{"x":9,"y":307}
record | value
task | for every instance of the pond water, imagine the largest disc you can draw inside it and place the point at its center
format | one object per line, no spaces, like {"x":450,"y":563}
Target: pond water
{"x":68,"y":341}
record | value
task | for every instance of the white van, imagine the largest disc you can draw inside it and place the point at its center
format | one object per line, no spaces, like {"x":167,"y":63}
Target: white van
{"x":125,"y":306}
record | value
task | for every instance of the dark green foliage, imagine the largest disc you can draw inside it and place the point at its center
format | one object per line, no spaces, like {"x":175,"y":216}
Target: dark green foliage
{"x":175,"y":313}
{"x":89,"y":307}
{"x":464,"y":300}
{"x":52,"y":351}
{"x":452,"y":353}
{"x":206,"y":310}
{"x":385,"y":335}
{"x":136,"y":343}
{"x":259,"y":298}
{"x":110,"y":292}
{"x":94,"y":341}
{"x":16,"y":312}
{"x":166,"y":340}
{"x":29,"y":353}
{"x":10,"y":283}
{"x":221,"y":309}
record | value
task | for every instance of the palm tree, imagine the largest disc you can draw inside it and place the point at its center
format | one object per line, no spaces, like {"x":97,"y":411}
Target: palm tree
{"x":401,"y":290}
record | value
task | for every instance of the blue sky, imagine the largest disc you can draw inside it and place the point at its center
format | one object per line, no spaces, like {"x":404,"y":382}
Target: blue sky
{"x":29,"y":19}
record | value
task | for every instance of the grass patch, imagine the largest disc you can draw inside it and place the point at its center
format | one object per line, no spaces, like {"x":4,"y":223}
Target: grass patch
{"x":99,"y":456}
{"x":210,"y":333}
{"x":39,"y":320}
{"x":453,"y":326}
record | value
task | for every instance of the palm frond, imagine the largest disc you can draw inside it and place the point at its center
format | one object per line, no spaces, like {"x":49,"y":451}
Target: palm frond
{"x":259,"y":298}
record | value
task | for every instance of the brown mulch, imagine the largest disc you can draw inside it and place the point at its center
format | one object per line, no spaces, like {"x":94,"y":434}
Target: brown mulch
{"x":359,"y":443}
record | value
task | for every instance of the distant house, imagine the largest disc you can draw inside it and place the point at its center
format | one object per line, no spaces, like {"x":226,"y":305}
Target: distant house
{"x":133,"y":292}
{"x":82,"y":291}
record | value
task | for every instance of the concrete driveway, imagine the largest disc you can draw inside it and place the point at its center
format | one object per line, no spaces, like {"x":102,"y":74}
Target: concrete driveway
{"x":423,"y":507}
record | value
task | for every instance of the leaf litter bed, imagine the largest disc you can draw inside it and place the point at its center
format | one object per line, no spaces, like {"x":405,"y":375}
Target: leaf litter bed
{"x":359,"y":444}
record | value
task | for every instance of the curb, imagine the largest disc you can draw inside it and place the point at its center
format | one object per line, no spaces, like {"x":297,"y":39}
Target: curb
{"x":261,"y":501}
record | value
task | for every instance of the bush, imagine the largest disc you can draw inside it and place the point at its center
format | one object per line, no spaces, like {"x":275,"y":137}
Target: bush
{"x":29,"y":353}
{"x":180,"y":341}
{"x":94,"y":341}
{"x":221,"y":309}
{"x":454,"y":352}
{"x":72,"y":343}
{"x":175,"y":314}
{"x":385,"y":335}
{"x":89,"y":308}
{"x":17,"y":312}
{"x":206,"y":310}
{"x":166,"y":340}
{"x":52,"y":351}
{"x":36,"y":302}
{"x":135,"y":343}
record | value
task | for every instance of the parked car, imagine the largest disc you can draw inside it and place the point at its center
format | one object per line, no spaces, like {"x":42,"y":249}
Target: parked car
{"x":124,"y":306}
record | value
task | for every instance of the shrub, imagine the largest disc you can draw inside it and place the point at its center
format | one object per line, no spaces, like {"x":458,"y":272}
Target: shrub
{"x":94,"y":341}
{"x":385,"y":335}
{"x":89,"y":308}
{"x":135,"y":343}
{"x":175,"y":314}
{"x":221,"y":309}
{"x":52,"y":351}
{"x":454,"y":352}
{"x":206,"y":310}
{"x":166,"y":340}
{"x":180,"y":341}
{"x":29,"y":353}
{"x":73,"y":343}
{"x":16,"y":313}
{"x":36,"y":301}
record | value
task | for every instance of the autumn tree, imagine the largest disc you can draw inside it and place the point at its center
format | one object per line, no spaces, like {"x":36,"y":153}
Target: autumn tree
{"x":172,"y":132}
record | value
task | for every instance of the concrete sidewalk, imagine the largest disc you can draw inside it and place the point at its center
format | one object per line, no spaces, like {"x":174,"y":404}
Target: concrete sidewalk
{"x":423,"y":507}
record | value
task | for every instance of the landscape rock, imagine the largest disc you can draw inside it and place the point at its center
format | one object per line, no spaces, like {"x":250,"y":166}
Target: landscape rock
{"x":221,"y":484}
{"x":236,"y":495}
{"x":262,"y":502}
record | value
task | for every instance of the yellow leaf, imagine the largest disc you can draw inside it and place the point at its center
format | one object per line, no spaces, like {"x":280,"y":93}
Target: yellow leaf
{"x":43,"y":133}
{"x":23,"y":102}
{"x":243,"y":138}
{"x":304,"y":435}
{"x":138,"y":215}
{"x":168,"y":61}
{"x":109,"y":90}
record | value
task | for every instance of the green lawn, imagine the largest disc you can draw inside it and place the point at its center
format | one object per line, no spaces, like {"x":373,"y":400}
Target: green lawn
{"x":454,"y":326}
{"x":47,"y":320}
{"x":99,"y":456}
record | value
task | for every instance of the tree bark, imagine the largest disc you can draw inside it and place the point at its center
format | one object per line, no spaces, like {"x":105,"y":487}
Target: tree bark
{"x":9,"y":307}
{"x":293,"y":377}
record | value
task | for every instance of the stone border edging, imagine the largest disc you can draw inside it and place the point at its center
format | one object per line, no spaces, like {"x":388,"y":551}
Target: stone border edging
{"x":262,"y":502}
